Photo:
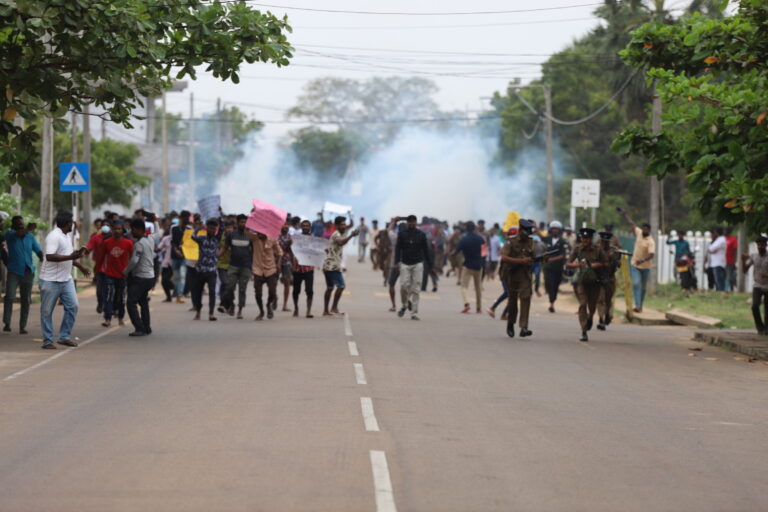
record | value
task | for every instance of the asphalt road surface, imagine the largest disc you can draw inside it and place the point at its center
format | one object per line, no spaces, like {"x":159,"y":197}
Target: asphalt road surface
{"x":376,"y":413}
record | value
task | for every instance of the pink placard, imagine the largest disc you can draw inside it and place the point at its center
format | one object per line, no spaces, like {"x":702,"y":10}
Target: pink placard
{"x":266,"y":218}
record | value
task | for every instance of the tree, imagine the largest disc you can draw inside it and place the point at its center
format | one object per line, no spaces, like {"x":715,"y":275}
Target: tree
{"x":60,"y":55}
{"x":328,"y":153}
{"x":113,"y":169}
{"x":712,"y":77}
{"x":369,"y":108}
{"x":583,"y":77}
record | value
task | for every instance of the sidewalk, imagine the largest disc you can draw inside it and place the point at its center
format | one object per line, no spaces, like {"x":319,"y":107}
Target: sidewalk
{"x":743,"y":341}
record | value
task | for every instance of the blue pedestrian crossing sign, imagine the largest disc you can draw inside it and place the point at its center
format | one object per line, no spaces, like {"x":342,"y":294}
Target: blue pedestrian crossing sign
{"x":74,"y":177}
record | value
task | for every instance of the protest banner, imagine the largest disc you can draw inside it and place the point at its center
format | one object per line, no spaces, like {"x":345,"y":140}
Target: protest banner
{"x":209,"y":207}
{"x":338,"y":209}
{"x":266,"y":218}
{"x":309,"y":250}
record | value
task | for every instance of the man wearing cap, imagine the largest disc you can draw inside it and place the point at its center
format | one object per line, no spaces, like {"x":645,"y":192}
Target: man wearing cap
{"x":587,"y":258}
{"x":760,"y":288}
{"x":607,"y":276}
{"x":642,"y":256}
{"x":553,"y":269}
{"x":518,"y":254}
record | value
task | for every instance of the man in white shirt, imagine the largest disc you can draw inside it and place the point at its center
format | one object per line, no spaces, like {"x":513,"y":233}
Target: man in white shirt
{"x":759,"y":260}
{"x":716,"y":259}
{"x":56,"y":281}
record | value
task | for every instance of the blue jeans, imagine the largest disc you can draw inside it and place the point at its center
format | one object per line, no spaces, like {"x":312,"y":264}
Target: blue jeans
{"x":50,"y":293}
{"x":639,"y":283}
{"x":179,"y":275}
{"x":719,"y":273}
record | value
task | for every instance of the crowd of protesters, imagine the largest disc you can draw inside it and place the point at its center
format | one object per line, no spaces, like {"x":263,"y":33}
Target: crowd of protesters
{"x":186,"y":254}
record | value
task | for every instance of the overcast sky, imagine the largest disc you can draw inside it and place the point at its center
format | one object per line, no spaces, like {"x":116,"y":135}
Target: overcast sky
{"x":484,"y":50}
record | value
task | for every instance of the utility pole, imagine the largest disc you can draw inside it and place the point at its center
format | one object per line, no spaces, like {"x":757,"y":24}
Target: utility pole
{"x":655,"y":193}
{"x":550,"y":172}
{"x":74,"y":159}
{"x":164,"y":163}
{"x":85,"y":228}
{"x":16,"y":188}
{"x":192,"y":177}
{"x":218,"y":125}
{"x":46,"y":172}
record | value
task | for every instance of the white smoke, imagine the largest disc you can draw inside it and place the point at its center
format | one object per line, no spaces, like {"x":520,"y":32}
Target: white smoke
{"x":442,"y":174}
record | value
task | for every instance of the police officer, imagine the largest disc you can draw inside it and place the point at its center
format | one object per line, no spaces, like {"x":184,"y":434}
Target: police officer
{"x":518,"y":254}
{"x":558,"y":247}
{"x":607,"y":276}
{"x":587,"y":259}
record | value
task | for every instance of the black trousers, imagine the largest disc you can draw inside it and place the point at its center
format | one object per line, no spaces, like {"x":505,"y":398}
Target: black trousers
{"x":167,"y":281}
{"x":258,"y":287}
{"x":199,"y":280}
{"x":760,"y":296}
{"x":552,"y":279}
{"x":138,"y":297}
{"x":308,"y":278}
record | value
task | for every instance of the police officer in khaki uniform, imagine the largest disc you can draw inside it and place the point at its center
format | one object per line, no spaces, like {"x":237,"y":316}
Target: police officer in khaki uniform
{"x":607,"y":276}
{"x":587,"y":259}
{"x":518,"y":255}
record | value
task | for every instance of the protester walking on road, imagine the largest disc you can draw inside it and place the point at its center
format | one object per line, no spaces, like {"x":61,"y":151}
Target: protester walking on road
{"x":21,"y":246}
{"x":303,"y":274}
{"x":334,"y":279}
{"x":117,"y":252}
{"x":164,"y":250}
{"x":240,"y":262}
{"x":266,"y":253}
{"x":141,"y":278}
{"x":206,"y":268}
{"x":759,"y":260}
{"x":362,"y":240}
{"x":555,"y":264}
{"x":587,"y":259}
{"x":471,"y":246}
{"x":642,"y":256}
{"x":411,"y":253}
{"x":286,"y":264}
{"x":518,"y":255}
{"x":56,"y":283}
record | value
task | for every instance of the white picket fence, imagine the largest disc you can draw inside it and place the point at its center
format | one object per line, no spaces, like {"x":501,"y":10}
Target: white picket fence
{"x":699,"y":243}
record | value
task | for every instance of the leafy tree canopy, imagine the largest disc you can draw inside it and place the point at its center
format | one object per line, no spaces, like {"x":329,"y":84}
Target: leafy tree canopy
{"x":327,"y":152}
{"x":712,"y":76}
{"x":367,"y":107}
{"x":60,"y":55}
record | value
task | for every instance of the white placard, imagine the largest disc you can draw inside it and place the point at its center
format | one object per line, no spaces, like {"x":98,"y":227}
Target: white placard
{"x":339,"y":209}
{"x":585,"y":193}
{"x":209,"y":207}
{"x":309,"y":250}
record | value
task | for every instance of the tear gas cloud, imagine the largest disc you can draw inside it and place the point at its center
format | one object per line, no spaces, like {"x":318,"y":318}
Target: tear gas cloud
{"x":442,"y":174}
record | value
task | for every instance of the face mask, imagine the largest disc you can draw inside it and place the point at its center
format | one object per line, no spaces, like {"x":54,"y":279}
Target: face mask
{"x":105,"y":229}
{"x":175,"y":222}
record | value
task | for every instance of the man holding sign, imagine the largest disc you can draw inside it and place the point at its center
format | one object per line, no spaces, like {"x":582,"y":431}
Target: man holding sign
{"x":303,"y":273}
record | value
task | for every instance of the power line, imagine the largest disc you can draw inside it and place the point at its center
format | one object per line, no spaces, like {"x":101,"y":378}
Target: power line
{"x":583,"y":119}
{"x":423,"y":27}
{"x":392,"y":13}
{"x":433,"y":52}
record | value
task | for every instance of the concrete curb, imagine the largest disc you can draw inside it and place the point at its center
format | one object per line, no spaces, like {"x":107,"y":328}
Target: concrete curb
{"x":748,"y":344}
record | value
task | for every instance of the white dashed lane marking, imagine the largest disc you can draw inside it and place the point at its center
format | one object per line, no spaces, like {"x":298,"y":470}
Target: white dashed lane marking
{"x":360,"y":374}
{"x":369,"y":418}
{"x":382,"y":484}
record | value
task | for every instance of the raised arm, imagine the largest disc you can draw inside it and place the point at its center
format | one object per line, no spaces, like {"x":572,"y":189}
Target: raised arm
{"x":629,"y":221}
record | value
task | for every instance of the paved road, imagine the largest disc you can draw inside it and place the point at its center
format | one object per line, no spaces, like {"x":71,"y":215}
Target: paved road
{"x":379,"y":413}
